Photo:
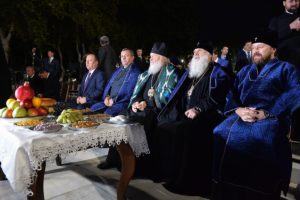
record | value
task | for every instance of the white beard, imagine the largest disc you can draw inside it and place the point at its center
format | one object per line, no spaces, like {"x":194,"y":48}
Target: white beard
{"x":154,"y":68}
{"x":198,"y":66}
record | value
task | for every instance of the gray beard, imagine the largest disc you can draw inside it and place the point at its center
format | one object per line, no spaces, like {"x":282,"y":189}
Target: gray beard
{"x":198,"y":66}
{"x":154,"y":68}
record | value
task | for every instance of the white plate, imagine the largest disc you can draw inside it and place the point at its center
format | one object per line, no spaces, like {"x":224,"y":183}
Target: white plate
{"x":107,"y":121}
{"x":82,"y":129}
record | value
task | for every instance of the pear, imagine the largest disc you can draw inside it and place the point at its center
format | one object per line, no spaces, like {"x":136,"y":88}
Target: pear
{"x":13,"y":105}
{"x":19,"y":112}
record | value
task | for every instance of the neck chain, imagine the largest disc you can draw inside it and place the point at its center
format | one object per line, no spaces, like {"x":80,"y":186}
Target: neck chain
{"x":194,"y":83}
{"x":151,"y":91}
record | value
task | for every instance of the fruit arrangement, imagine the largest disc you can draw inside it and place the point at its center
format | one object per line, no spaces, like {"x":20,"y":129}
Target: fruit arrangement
{"x":25,"y":104}
{"x":69,"y":116}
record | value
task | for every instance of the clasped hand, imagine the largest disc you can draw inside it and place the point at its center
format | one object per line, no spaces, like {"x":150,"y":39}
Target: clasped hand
{"x":249,"y":114}
{"x":81,"y":100}
{"x":108,"y":101}
{"x":139,"y":106}
{"x":191,"y":113}
{"x":295,"y":25}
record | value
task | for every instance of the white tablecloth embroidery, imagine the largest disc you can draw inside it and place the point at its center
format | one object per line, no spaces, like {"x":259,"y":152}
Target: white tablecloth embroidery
{"x":22,"y":151}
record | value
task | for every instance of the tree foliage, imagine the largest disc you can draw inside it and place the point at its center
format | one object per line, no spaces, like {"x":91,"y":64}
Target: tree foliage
{"x":54,"y":22}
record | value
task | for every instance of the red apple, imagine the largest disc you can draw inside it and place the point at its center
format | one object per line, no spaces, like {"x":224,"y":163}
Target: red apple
{"x":32,"y":112}
{"x":27,"y":103}
{"x":42,"y":111}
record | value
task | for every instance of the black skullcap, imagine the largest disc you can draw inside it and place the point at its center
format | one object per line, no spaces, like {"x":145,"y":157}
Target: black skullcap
{"x":160,"y":48}
{"x":206,"y":45}
{"x":267,"y":37}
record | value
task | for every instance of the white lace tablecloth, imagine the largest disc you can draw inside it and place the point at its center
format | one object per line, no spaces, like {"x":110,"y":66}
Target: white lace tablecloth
{"x":22,"y":151}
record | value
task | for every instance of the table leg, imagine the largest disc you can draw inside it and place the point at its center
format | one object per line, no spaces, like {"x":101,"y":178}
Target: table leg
{"x":38,"y":185}
{"x":128,"y":168}
{"x":2,"y":175}
{"x":58,"y":160}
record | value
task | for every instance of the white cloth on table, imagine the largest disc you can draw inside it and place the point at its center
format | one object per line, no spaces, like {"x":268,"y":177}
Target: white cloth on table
{"x":22,"y":151}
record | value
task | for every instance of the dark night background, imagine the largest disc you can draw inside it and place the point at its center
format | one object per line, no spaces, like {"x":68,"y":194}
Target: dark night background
{"x":130,"y":23}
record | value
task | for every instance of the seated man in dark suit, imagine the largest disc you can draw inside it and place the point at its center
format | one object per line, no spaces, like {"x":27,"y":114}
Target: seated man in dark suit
{"x":91,"y":87}
{"x":35,"y":81}
{"x":120,"y":87}
{"x":50,"y":86}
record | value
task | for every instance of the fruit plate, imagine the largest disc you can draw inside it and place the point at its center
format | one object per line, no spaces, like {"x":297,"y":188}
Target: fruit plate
{"x":90,"y":127}
{"x":56,"y":128}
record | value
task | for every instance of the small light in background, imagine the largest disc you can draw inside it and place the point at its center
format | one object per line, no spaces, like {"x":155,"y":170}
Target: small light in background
{"x":182,"y":60}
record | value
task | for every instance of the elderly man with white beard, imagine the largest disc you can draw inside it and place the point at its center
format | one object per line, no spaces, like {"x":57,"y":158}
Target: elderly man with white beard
{"x":151,"y":94}
{"x":185,"y":129}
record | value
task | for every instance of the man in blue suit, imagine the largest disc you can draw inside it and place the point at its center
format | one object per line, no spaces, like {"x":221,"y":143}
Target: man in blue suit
{"x":120,"y":87}
{"x":91,"y":87}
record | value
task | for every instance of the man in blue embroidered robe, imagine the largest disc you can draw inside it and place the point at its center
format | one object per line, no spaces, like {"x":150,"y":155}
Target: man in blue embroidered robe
{"x":252,"y":156}
{"x":151,"y":94}
{"x":120,"y":87}
{"x":116,"y":97}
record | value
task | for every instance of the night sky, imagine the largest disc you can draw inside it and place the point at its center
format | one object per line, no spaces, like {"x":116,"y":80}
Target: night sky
{"x":183,"y":22}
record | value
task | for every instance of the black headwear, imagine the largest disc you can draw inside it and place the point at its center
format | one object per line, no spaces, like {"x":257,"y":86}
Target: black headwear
{"x":267,"y":37}
{"x":160,"y":48}
{"x":206,"y":45}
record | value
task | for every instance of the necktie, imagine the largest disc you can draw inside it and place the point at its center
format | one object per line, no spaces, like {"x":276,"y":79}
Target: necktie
{"x":87,"y":80}
{"x":249,"y":57}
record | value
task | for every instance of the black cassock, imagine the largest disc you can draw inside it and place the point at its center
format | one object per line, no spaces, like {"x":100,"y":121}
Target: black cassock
{"x":183,"y":147}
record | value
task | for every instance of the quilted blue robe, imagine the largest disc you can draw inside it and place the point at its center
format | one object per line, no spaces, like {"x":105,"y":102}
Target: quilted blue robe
{"x":125,"y":92}
{"x":256,"y":157}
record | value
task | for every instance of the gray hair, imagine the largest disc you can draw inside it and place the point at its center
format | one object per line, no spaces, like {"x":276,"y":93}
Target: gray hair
{"x":104,"y":40}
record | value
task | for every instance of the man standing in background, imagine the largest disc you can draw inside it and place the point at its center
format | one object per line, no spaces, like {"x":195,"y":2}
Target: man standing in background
{"x":107,"y":57}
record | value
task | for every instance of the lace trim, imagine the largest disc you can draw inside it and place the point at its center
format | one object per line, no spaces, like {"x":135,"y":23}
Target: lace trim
{"x":62,"y":144}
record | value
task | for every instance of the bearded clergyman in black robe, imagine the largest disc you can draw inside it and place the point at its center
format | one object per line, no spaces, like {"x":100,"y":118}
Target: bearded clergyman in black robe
{"x":185,"y":127}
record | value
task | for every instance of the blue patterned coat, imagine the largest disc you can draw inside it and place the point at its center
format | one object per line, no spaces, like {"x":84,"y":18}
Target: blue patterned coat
{"x":256,"y":156}
{"x":125,"y":92}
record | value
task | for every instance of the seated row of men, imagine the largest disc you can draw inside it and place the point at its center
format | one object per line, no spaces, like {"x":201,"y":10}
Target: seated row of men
{"x":181,"y":110}
{"x":247,"y":157}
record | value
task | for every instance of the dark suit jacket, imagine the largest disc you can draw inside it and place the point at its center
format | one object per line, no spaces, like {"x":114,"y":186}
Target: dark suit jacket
{"x":241,"y":60}
{"x":52,"y":67}
{"x":107,"y":59}
{"x":94,"y":88}
{"x":36,"y":83}
{"x":51,"y":88}
{"x":141,"y":63}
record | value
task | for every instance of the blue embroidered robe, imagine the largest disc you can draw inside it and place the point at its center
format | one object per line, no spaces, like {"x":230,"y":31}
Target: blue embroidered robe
{"x":256,"y":157}
{"x":122,"y":100}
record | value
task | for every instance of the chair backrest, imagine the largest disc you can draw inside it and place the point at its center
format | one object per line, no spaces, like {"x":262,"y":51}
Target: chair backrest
{"x":69,"y":89}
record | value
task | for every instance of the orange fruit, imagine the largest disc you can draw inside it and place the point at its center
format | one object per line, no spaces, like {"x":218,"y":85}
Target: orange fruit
{"x":36,"y":101}
{"x":10,"y":100}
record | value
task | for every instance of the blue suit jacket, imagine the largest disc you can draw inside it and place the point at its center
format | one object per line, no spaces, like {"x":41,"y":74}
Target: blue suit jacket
{"x":125,"y":92}
{"x":94,"y":88}
{"x":225,"y":63}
